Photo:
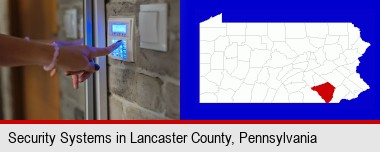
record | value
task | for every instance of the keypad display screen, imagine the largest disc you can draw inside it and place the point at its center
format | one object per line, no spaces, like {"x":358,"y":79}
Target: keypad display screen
{"x":119,"y":28}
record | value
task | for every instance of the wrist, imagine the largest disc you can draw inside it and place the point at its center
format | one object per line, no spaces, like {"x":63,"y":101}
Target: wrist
{"x":53,"y":63}
{"x":42,"y":54}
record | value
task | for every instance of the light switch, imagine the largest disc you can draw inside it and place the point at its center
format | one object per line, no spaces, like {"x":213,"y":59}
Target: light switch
{"x":153,"y":27}
{"x":149,"y":27}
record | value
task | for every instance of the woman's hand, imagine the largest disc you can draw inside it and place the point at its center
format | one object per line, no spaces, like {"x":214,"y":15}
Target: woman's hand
{"x":77,"y":59}
{"x":74,"y":58}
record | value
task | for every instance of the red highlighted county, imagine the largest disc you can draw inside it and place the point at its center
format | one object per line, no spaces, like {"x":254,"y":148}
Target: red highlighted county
{"x":326,"y":91}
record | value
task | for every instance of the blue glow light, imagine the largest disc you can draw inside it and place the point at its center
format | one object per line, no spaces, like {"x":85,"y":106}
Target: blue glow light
{"x":121,"y":51}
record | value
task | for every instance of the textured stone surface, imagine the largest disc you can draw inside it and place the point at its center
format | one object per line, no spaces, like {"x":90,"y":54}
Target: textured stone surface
{"x":135,"y":112}
{"x":130,"y":110}
{"x":122,"y":82}
{"x":149,"y":87}
{"x":115,"y":109}
{"x":171,"y":96}
{"x":149,"y":93}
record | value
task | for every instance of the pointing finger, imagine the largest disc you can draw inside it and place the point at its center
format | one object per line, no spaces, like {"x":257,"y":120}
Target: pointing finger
{"x":107,"y":50}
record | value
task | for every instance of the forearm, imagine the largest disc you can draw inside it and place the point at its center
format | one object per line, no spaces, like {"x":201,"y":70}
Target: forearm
{"x":18,"y":52}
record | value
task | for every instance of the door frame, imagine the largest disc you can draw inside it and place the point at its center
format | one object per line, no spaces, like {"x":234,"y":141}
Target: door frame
{"x":96,"y":106}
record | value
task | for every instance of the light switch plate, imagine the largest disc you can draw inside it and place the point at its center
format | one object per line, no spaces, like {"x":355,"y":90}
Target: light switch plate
{"x":153,"y":29}
{"x":149,"y":27}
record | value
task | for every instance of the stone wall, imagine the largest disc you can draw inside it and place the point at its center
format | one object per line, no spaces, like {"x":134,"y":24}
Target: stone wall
{"x":149,"y":88}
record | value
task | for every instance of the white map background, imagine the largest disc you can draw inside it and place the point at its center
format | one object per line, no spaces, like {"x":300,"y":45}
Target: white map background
{"x":278,"y":62}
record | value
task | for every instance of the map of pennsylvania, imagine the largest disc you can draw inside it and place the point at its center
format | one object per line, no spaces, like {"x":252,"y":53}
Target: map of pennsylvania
{"x":279,"y":62}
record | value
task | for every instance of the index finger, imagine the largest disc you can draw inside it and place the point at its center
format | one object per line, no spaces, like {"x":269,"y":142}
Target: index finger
{"x":107,"y":50}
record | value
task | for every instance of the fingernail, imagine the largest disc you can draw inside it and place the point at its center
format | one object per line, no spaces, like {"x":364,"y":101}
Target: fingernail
{"x":97,"y":67}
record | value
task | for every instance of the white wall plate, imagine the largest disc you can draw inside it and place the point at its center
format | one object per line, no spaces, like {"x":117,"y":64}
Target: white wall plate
{"x":153,"y":26}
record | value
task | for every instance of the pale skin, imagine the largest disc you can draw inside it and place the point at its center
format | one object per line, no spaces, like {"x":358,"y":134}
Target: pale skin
{"x":75,"y":59}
